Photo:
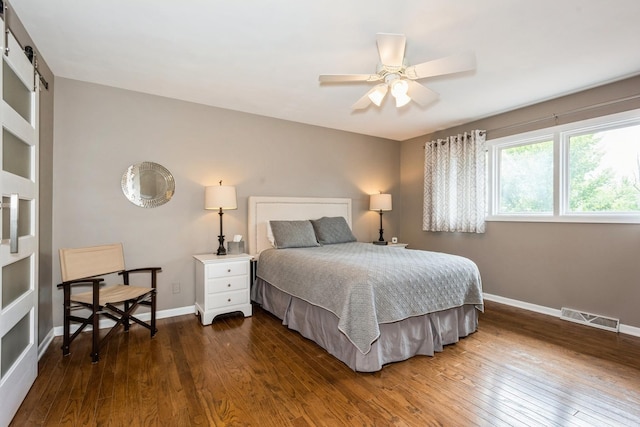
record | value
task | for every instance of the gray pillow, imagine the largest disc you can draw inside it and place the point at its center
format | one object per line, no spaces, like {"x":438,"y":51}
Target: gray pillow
{"x":293,"y":234}
{"x":330,"y":230}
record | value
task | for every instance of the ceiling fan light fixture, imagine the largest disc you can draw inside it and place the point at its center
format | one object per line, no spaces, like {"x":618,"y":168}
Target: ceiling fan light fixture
{"x":399,"y":77}
{"x":399,"y":87}
{"x":402,"y":100}
{"x":378,"y":94}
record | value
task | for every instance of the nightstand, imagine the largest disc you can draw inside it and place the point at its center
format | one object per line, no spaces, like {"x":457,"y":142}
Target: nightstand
{"x":397,"y":245}
{"x":222,"y":285}
{"x":394,"y":245}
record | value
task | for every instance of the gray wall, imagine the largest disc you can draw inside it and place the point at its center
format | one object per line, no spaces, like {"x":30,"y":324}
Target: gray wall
{"x":100,"y":131}
{"x":590,"y":267}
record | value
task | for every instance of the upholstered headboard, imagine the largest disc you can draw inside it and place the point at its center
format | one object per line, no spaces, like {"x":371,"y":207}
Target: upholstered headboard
{"x":263,"y":209}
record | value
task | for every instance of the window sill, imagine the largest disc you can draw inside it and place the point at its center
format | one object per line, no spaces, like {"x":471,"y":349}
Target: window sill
{"x":595,"y":218}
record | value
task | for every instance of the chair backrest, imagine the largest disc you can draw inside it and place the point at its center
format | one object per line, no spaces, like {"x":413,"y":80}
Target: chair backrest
{"x":80,"y":263}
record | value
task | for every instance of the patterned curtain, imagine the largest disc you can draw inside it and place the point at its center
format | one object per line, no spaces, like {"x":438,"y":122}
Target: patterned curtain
{"x":454,"y":183}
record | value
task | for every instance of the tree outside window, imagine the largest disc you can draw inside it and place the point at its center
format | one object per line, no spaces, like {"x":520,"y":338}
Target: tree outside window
{"x":603,"y":170}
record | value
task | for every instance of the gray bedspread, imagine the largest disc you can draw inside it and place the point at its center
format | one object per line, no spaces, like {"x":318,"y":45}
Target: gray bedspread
{"x":365,"y":284}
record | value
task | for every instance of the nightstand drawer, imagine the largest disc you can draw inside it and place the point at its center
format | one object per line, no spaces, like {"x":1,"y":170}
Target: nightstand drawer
{"x":227,"y":269}
{"x":225,"y":284}
{"x":228,"y":299}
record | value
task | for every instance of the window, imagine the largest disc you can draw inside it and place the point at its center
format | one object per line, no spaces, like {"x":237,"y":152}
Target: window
{"x":603,"y":170}
{"x":526,"y":178}
{"x":586,"y":172}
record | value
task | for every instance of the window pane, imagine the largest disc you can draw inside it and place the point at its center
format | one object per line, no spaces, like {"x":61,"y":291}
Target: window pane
{"x":526,"y":179}
{"x":16,"y":280}
{"x":603,"y":171}
{"x":13,"y":344}
{"x":16,"y":155}
{"x":15,"y":93}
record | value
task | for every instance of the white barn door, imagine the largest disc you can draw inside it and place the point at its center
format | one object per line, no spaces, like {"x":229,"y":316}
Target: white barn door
{"x":19,"y":243}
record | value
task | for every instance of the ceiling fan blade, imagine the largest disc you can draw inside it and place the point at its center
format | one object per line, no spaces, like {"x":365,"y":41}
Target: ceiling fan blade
{"x":366,"y":99}
{"x":340,"y":78}
{"x":361,"y":103}
{"x":391,"y":48}
{"x":437,"y":67}
{"x":423,"y":96}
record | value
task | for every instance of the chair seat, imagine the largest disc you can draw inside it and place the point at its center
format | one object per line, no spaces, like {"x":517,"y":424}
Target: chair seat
{"x":112,"y":294}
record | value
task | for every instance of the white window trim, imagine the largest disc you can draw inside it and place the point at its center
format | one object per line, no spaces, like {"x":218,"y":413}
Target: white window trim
{"x":559,"y":134}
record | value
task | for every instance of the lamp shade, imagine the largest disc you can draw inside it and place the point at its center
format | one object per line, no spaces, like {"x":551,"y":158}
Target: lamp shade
{"x":380,"y":202}
{"x":220,"y":197}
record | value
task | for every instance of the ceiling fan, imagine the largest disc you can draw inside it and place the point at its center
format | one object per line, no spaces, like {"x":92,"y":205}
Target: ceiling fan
{"x":399,"y":77}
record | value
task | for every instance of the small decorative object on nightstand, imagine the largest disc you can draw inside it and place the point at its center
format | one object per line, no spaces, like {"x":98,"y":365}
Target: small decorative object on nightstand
{"x":394,"y":243}
{"x":222,"y":285}
{"x":380,"y":202}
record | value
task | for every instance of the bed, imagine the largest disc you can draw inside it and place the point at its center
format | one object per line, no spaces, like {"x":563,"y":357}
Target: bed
{"x":367,"y":305}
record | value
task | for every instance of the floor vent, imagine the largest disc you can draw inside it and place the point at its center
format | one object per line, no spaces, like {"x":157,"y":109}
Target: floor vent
{"x":594,"y":320}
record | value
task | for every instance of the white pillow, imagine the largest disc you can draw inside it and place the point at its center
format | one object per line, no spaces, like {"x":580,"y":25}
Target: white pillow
{"x":270,"y":237}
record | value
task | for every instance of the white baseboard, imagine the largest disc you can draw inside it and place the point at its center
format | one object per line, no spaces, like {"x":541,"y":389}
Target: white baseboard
{"x":108,"y":323}
{"x":630,"y":330}
{"x":624,"y":329}
{"x":44,"y":345}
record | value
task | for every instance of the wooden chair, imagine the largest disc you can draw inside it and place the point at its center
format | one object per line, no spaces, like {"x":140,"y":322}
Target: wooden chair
{"x":82,"y":266}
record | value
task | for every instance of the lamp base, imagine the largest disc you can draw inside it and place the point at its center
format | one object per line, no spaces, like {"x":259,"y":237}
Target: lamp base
{"x":378,"y":242}
{"x":221,"y":249}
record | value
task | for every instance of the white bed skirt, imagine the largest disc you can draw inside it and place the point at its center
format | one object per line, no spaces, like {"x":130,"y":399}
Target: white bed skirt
{"x":420,"y":335}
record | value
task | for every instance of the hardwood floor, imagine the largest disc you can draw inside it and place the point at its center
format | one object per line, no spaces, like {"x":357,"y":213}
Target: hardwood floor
{"x":520,"y":368}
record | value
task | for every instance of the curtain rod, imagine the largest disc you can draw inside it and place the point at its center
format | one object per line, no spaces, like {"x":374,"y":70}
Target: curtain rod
{"x":566,"y":113}
{"x":455,"y":137}
{"x":557,"y":116}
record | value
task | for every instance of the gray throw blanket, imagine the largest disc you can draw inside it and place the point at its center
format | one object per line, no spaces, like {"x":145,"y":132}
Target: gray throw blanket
{"x":365,"y":284}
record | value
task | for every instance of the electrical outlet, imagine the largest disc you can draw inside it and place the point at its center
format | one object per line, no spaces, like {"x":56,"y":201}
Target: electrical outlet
{"x":176,"y":288}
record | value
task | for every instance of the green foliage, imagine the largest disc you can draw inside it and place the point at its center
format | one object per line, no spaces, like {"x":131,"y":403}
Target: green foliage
{"x":593,"y":187}
{"x":526,"y":179}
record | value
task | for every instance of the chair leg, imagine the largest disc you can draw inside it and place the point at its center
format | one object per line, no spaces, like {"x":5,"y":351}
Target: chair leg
{"x":96,"y":339}
{"x":66,"y":322}
{"x":153,"y":314}
{"x":95,"y":324}
{"x":125,"y":322}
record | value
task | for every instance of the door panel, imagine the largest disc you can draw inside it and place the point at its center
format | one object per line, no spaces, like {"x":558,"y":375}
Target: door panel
{"x":19,"y":229}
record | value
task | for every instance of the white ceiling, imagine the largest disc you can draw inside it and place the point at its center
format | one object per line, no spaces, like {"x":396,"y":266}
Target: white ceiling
{"x":264,"y":57}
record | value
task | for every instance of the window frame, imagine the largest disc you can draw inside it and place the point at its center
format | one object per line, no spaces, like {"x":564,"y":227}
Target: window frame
{"x":560,"y":136}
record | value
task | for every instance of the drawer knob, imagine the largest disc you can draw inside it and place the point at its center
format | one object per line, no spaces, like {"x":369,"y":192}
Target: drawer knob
{"x":228,"y":270}
{"x":229,"y":300}
{"x":228,"y":285}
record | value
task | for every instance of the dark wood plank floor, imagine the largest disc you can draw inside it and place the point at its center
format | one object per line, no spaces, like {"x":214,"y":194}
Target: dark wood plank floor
{"x":520,"y":368}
